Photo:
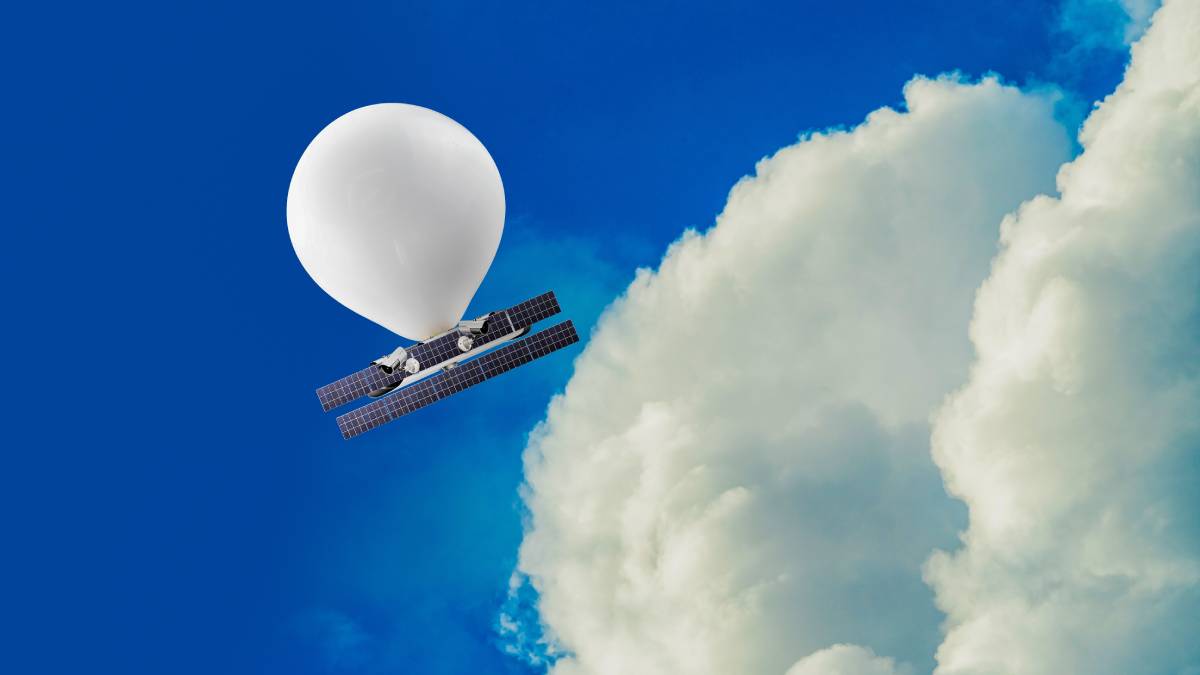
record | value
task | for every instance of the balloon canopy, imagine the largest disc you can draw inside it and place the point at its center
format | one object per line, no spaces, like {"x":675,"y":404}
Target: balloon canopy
{"x":396,"y":212}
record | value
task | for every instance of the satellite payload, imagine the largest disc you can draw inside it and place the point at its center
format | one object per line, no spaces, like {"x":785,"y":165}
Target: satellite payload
{"x":396,"y":211}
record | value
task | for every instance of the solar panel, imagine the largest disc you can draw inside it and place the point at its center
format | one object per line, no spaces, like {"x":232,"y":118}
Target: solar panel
{"x":462,"y":376}
{"x":435,"y":351}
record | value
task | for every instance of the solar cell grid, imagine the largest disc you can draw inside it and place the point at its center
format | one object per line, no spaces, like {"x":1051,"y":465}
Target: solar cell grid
{"x":461,"y":377}
{"x":356,"y":385}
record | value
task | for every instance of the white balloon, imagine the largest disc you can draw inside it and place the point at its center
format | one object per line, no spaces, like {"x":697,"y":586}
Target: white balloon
{"x":396,"y":211}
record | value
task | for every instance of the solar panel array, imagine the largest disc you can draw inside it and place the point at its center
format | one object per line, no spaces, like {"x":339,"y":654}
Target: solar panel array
{"x":456,"y":379}
{"x":435,"y":351}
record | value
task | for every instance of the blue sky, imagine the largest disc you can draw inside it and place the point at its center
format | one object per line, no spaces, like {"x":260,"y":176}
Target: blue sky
{"x":177,"y":502}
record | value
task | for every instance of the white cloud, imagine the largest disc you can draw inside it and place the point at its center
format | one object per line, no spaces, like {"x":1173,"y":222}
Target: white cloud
{"x":708,"y":498}
{"x":1076,"y":443}
{"x":847,"y":660}
{"x":738,"y":475}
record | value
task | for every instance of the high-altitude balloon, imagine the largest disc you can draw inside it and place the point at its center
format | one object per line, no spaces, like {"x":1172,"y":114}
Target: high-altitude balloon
{"x":396,"y":211}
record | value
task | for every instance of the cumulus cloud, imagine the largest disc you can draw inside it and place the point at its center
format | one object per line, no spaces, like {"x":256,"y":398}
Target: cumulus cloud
{"x":1076,"y":443}
{"x":847,"y":660}
{"x":738,"y":477}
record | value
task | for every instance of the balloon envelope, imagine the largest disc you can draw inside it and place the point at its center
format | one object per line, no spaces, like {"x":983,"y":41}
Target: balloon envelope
{"x":396,"y":211}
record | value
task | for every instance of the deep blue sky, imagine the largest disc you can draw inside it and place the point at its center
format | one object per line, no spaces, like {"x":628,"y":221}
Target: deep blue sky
{"x":174,"y":499}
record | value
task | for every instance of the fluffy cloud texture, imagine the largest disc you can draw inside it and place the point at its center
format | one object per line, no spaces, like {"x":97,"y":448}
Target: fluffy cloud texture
{"x":1076,"y":443}
{"x":739,"y":479}
{"x":738,"y":475}
{"x":847,"y":660}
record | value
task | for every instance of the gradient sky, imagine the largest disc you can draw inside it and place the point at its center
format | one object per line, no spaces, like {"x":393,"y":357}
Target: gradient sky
{"x":175,"y":500}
